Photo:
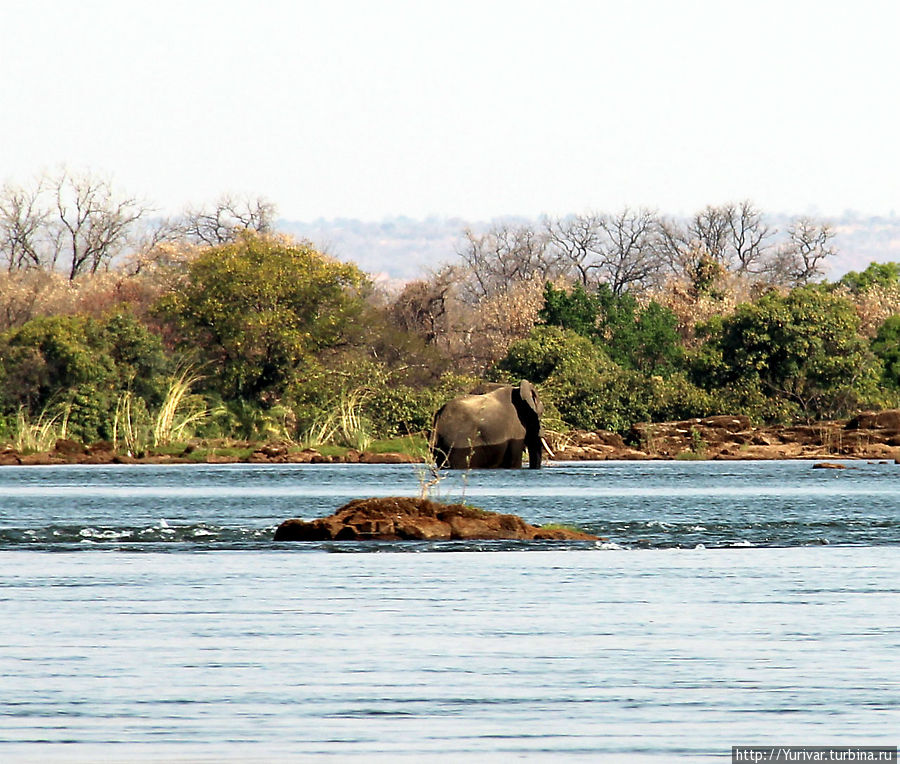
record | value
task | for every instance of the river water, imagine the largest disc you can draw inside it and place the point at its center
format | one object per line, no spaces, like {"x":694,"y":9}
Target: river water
{"x":147,"y":615}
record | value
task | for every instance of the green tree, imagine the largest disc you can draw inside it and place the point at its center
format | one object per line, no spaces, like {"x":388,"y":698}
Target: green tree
{"x":546,"y":351}
{"x":641,"y":338}
{"x":262,"y":306}
{"x":886,"y":346}
{"x":83,"y":365}
{"x":877,"y":274}
{"x":573,"y":309}
{"x":803,"y":347}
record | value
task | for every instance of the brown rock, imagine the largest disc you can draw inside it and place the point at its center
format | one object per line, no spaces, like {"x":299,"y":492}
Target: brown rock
{"x":726,"y":422}
{"x":34,"y":459}
{"x":388,"y":458}
{"x":9,"y":456}
{"x":305,"y":456}
{"x":829,"y":466}
{"x":406,"y":518}
{"x":66,"y":446}
{"x":876,"y":420}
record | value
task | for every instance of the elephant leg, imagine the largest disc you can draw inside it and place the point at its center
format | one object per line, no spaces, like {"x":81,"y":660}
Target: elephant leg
{"x":460,"y":458}
{"x":479,"y":457}
{"x":512,"y":458}
{"x":440,"y":452}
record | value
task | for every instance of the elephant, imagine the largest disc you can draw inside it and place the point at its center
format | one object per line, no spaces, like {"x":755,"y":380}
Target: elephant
{"x":489,"y":430}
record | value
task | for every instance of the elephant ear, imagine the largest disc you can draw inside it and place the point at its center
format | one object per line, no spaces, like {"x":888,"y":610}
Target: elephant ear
{"x":530,"y":397}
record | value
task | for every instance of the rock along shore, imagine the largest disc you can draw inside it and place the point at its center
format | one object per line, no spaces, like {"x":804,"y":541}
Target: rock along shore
{"x":874,"y":435}
{"x":871,"y":435}
{"x":399,"y":518}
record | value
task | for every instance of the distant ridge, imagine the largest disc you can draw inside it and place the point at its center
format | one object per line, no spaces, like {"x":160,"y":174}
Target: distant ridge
{"x":401,"y":248}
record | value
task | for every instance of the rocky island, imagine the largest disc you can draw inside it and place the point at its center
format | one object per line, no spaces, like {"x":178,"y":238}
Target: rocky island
{"x":398,"y":518}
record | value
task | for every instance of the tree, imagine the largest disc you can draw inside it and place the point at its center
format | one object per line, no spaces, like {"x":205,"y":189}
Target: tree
{"x":619,"y":250}
{"x":226,"y":218}
{"x":731,"y":237}
{"x":262,"y":306}
{"x":422,"y":306}
{"x":885,"y":275}
{"x":800,"y":260}
{"x":641,"y":338}
{"x":549,"y":349}
{"x":574,"y":309}
{"x":504,"y":257}
{"x":80,"y":365}
{"x":21,"y":221}
{"x":886,"y":346}
{"x":803,"y":347}
{"x":577,"y":240}
{"x":91,"y":223}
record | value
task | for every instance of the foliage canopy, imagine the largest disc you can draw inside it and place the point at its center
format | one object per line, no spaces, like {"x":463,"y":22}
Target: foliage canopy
{"x":260,"y":307}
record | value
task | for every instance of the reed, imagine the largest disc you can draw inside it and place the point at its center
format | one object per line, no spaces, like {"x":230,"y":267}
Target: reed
{"x":344,"y":424}
{"x":172,"y":421}
{"x":128,"y":426}
{"x":42,"y":434}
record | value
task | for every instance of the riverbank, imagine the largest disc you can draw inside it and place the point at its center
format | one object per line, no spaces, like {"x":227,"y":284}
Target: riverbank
{"x":874,"y":435}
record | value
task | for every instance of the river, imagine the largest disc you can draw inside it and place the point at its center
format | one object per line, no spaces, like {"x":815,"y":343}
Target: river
{"x":147,"y":615}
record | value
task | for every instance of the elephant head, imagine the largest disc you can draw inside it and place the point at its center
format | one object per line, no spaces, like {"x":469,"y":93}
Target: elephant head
{"x":489,"y":430}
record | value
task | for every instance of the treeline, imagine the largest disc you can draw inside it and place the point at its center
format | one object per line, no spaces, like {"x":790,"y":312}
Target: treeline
{"x":115,"y":326}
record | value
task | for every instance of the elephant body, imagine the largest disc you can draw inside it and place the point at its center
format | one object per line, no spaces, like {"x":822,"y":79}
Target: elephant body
{"x":489,"y":430}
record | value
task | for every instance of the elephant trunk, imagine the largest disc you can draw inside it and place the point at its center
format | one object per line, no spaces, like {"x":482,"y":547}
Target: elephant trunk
{"x":535,"y":451}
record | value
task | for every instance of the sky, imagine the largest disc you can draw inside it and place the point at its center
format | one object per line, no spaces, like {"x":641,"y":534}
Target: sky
{"x":355,"y":109}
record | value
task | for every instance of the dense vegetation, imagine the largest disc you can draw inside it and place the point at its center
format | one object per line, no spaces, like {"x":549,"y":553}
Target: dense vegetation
{"x":213,"y":326}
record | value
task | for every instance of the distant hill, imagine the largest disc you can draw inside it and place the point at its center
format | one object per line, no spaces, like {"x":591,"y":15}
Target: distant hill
{"x":400,"y":248}
{"x":397,"y":249}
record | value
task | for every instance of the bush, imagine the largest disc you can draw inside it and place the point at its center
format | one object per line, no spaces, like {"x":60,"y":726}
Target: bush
{"x":886,"y":347}
{"x":80,"y":365}
{"x":261,"y":307}
{"x":545,"y":351}
{"x":802,"y":350}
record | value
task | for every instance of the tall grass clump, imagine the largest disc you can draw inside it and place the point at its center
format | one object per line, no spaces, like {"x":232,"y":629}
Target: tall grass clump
{"x":131,"y":424}
{"x":176,"y":415}
{"x":42,"y":434}
{"x":344,"y":424}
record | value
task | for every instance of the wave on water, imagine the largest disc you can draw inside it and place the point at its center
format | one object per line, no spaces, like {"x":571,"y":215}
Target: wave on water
{"x":615,"y":535}
{"x":161,"y":533}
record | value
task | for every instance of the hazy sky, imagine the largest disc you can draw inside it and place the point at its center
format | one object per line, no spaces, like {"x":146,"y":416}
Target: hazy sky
{"x":477,"y":109}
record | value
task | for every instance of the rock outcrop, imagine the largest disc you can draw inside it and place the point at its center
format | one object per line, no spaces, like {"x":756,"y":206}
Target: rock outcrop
{"x":874,"y":435}
{"x":405,"y":518}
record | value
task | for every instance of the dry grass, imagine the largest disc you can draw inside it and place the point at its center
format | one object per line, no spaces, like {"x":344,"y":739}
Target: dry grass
{"x":42,"y":434}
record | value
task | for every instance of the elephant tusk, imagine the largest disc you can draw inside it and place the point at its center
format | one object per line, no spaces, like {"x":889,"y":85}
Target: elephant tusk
{"x":549,"y":451}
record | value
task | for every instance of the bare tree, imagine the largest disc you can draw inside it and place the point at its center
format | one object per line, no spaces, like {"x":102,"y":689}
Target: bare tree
{"x":504,"y":257}
{"x":749,"y":237}
{"x":226,"y":217}
{"x":800,"y":259}
{"x":734,"y":235}
{"x":630,"y":259}
{"x":708,"y":231}
{"x":730,"y":238}
{"x":154,"y":244}
{"x":91,"y":224}
{"x":422,"y":306}
{"x":578,"y":241}
{"x":619,"y":250}
{"x":21,"y":222}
